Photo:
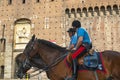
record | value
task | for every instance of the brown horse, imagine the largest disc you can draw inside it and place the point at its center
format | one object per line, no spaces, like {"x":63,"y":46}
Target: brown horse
{"x":23,"y":64}
{"x":53,"y":56}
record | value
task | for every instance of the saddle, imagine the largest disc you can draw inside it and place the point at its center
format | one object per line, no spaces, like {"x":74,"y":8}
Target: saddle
{"x":91,"y":61}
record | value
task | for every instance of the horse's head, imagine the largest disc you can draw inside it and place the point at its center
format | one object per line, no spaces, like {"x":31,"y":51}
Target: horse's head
{"x":31,"y":48}
{"x":50,"y":53}
{"x":25,"y":61}
{"x":28,"y":58}
{"x":23,"y":65}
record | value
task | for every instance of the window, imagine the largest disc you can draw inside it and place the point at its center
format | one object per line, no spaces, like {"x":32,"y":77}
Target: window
{"x":2,"y":72}
{"x":115,"y":8}
{"x":23,"y":2}
{"x":38,"y":1}
{"x":96,"y":9}
{"x":102,"y":8}
{"x":82,"y":1}
{"x":9,"y":1}
{"x":109,"y":9}
{"x":46,"y":22}
{"x":67,"y":11}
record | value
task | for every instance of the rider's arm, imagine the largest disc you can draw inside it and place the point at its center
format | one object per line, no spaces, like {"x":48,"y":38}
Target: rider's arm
{"x":71,"y":46}
{"x":80,"y":34}
{"x":73,"y":42}
{"x":79,"y":42}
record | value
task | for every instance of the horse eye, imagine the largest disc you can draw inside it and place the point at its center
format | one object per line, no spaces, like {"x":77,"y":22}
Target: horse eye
{"x":33,"y":47}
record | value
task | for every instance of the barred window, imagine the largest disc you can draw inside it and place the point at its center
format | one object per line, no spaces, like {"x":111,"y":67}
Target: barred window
{"x":46,"y":22}
{"x":9,"y":1}
{"x":38,"y":1}
{"x":23,"y":2}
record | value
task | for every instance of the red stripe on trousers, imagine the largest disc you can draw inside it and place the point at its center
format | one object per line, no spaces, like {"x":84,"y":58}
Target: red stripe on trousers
{"x":79,"y":51}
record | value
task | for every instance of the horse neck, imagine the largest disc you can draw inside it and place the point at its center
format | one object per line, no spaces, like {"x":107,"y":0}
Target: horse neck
{"x":59,"y":72}
{"x":49,"y":55}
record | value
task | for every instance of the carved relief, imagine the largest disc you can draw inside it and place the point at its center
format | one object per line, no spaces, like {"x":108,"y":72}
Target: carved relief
{"x":21,"y":34}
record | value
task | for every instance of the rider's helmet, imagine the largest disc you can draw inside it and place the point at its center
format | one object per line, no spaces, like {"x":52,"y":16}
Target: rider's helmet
{"x":76,"y":24}
{"x":71,"y":30}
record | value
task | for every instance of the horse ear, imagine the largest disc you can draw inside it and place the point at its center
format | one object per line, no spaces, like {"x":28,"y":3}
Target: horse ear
{"x":33,"y":37}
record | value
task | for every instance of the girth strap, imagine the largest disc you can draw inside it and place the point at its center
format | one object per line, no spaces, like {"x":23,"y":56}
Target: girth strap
{"x":96,"y":75}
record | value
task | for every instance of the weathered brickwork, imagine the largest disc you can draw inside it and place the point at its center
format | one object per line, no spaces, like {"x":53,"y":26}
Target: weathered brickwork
{"x":50,"y":19}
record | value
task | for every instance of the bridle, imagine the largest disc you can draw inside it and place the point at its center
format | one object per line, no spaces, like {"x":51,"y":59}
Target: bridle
{"x":55,"y":62}
{"x":30,"y":48}
{"x":47,"y":67}
{"x":50,"y":66}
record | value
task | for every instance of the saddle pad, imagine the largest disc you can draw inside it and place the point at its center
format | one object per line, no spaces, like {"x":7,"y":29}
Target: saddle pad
{"x":100,"y":66}
{"x":91,"y":61}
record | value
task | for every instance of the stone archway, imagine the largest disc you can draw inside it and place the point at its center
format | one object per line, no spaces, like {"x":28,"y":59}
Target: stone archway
{"x":22,"y":32}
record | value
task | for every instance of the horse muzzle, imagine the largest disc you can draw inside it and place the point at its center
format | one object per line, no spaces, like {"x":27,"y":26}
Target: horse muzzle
{"x":20,"y":74}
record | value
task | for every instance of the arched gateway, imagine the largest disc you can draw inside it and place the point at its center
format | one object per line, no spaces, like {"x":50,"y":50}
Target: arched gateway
{"x":22,"y":32}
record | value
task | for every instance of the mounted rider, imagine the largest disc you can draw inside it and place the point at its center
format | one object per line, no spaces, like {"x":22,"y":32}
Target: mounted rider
{"x":82,"y":46}
{"x":73,"y":38}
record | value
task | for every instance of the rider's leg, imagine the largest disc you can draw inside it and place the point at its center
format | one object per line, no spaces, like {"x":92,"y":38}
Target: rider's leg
{"x":80,"y":52}
{"x":74,"y":73}
{"x":74,"y":70}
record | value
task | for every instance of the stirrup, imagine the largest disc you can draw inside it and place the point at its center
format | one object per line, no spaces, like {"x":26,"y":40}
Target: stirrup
{"x":72,"y":78}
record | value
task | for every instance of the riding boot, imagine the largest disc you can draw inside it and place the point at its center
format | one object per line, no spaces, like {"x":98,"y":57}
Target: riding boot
{"x":74,"y":72}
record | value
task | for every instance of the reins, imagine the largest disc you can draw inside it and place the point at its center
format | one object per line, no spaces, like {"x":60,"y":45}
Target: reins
{"x":55,"y":62}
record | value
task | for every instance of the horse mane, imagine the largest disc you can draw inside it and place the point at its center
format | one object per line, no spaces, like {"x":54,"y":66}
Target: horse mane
{"x":50,"y":44}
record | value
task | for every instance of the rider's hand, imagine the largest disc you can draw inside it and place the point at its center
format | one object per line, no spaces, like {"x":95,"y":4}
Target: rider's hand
{"x":74,"y":49}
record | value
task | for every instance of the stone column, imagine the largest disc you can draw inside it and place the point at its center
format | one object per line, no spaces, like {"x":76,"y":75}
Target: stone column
{"x":95,"y":14}
{"x":83,"y":15}
{"x":8,"y":61}
{"x":67,"y":15}
{"x":119,"y":11}
{"x":72,"y":15}
{"x":107,"y":13}
{"x":78,"y":15}
{"x":89,"y":14}
{"x":101,"y":13}
{"x":113,"y":12}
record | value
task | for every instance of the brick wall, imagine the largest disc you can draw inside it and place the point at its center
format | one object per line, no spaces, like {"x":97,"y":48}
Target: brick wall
{"x":51,"y":19}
